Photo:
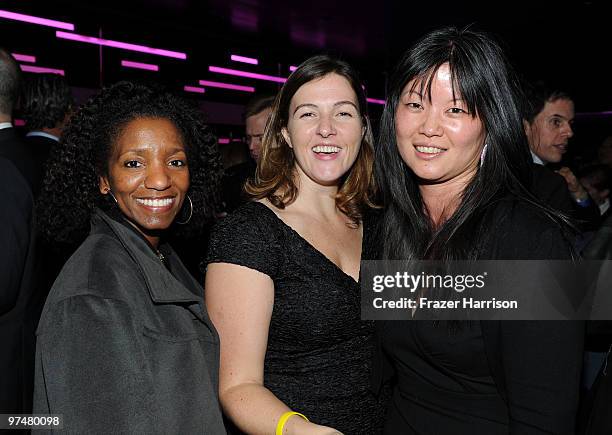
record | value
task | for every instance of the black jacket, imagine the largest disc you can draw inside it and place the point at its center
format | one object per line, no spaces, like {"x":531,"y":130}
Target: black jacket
{"x":14,"y":148}
{"x":125,"y":346}
{"x":16,"y":273}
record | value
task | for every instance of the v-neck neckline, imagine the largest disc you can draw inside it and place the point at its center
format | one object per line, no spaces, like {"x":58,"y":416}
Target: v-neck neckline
{"x":315,"y":250}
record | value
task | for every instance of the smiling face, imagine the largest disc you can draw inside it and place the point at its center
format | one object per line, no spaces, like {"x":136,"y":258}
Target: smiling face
{"x":551,"y":130}
{"x":324,"y":129}
{"x":148,"y":174}
{"x":436,"y":136}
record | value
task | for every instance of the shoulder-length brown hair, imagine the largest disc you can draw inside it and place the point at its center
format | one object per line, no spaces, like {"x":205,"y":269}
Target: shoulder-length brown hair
{"x":274,"y":178}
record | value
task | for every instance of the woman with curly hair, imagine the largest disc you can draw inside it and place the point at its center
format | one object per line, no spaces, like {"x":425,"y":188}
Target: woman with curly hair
{"x":282,"y":284}
{"x":124,"y":342}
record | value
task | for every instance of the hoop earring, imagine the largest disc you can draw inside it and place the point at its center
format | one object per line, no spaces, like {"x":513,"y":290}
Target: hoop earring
{"x":110,"y":192}
{"x":483,"y":153}
{"x":190,"y":213}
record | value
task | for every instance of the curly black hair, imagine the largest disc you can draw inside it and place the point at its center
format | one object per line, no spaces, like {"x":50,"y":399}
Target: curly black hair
{"x":70,"y":191}
{"x":47,"y":99}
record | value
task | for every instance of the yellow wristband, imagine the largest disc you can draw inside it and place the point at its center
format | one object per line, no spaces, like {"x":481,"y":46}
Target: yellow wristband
{"x":281,"y":421}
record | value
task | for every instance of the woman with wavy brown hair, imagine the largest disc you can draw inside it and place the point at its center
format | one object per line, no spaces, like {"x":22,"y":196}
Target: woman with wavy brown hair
{"x":283,"y":270}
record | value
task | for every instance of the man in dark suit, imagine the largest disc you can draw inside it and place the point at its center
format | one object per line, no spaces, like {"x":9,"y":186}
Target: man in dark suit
{"x":548,"y":116}
{"x":17,"y":254}
{"x":47,"y":104}
{"x":12,"y":146}
{"x":16,"y":263}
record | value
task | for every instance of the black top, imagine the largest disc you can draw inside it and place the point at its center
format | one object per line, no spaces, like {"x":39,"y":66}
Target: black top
{"x":490,"y":377}
{"x":319,"y":351}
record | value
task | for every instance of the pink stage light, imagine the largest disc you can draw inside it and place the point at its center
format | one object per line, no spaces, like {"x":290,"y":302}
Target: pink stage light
{"x":375,"y":101}
{"x":36,"y":20}
{"x":40,"y":69}
{"x":224,"y":140}
{"x":139,"y":65}
{"x":194,"y":89}
{"x":292,"y":68}
{"x":235,"y":72}
{"x":24,"y":57}
{"x":121,"y":45}
{"x":18,"y":122}
{"x":227,"y":86}
{"x":243,"y":59}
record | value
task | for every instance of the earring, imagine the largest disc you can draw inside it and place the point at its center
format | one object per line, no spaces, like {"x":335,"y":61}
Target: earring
{"x":483,"y":153}
{"x":190,"y":213}
{"x":110,"y":192}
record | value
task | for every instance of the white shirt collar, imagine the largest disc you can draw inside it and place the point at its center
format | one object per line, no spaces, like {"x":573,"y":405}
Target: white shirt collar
{"x":43,"y":134}
{"x":536,"y":159}
{"x":4,"y":125}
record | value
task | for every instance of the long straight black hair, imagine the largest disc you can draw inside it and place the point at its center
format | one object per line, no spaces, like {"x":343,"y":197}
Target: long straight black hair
{"x":482,"y":77}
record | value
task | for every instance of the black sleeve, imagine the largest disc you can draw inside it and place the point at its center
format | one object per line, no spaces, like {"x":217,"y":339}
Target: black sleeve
{"x":541,"y":363}
{"x":541,"y":360}
{"x":16,"y":217}
{"x":247,"y":238}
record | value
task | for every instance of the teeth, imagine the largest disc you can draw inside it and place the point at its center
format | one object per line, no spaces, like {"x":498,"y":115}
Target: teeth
{"x":156,"y":202}
{"x":326,"y":149}
{"x":429,"y":150}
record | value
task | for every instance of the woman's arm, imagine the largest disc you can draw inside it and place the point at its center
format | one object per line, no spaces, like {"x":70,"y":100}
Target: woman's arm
{"x":239,"y":301}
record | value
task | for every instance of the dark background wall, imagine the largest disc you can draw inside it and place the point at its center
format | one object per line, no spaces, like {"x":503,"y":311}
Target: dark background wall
{"x":568,"y":42}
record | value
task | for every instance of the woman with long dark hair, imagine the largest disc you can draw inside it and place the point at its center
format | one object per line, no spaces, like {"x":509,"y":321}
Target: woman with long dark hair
{"x":282,"y":279}
{"x":453,"y":166}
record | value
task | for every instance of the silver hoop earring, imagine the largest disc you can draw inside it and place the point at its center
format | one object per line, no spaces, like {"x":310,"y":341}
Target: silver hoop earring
{"x":110,"y":192}
{"x":190,"y":213}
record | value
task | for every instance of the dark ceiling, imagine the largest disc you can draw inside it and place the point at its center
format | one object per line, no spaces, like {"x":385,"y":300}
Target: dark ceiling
{"x":568,"y":42}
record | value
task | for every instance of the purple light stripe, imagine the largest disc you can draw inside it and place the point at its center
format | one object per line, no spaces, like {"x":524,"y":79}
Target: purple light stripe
{"x":235,"y":72}
{"x":375,"y":101}
{"x":224,"y":140}
{"x":236,"y":140}
{"x":591,"y":114}
{"x":292,"y":68}
{"x":244,"y":59}
{"x":121,"y":45}
{"x":227,"y":86}
{"x":36,"y":20}
{"x":139,"y":65}
{"x":24,"y":57}
{"x":194,"y":89}
{"x":40,"y":69}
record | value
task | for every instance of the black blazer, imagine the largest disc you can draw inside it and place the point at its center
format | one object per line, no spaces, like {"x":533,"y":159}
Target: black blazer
{"x":16,"y":273}
{"x":14,"y":148}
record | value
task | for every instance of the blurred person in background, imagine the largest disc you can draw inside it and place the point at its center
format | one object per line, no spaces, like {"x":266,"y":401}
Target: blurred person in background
{"x":46,"y":106}
{"x":548,"y":117}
